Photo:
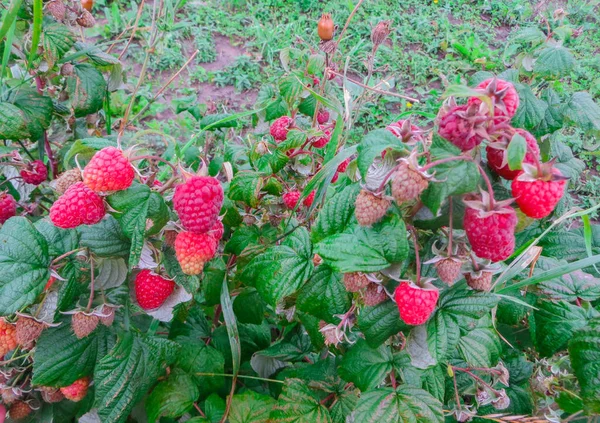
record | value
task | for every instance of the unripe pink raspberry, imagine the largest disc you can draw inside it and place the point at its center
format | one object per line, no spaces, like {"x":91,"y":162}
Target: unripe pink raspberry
{"x":323,"y":140}
{"x":464,"y":126}
{"x":193,"y":251}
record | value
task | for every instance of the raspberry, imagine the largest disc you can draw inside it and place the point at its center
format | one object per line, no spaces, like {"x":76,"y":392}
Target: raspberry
{"x":537,"y":196}
{"x":66,"y":179}
{"x":34,"y":173}
{"x":152,"y":290}
{"x":8,"y":207}
{"x":323,"y":140}
{"x":491,"y":233}
{"x":448,"y":270}
{"x":57,"y":9}
{"x":369,"y":208}
{"x":79,"y":205}
{"x":28,"y":331}
{"x":108,"y":315}
{"x":9,"y":396}
{"x":405,"y":131}
{"x":19,"y":410}
{"x":309,"y":199}
{"x":464,"y":126}
{"x":503,"y":94}
{"x":480,"y":281}
{"x":193,"y":250}
{"x":498,"y":162}
{"x":217,"y":230}
{"x":355,"y":281}
{"x":8,"y":337}
{"x":290,"y":199}
{"x":322,"y":115}
{"x":280,"y":128}
{"x":83,"y":324}
{"x":198,"y":203}
{"x":108,"y":171}
{"x":77,"y":390}
{"x":51,"y":395}
{"x":375,"y":294}
{"x":415,"y":304}
{"x":344,"y":165}
{"x":86,"y":19}
{"x":408,"y":182}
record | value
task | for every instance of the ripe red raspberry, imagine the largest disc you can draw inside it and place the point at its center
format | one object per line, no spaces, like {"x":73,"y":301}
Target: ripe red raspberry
{"x":375,"y":294}
{"x":193,"y":250}
{"x":217,"y":230}
{"x":370,"y":208}
{"x":405,"y":131}
{"x":415,"y":304}
{"x":344,"y":165}
{"x":77,"y":390}
{"x":19,"y":410}
{"x":323,"y":140}
{"x":538,"y":195}
{"x":309,"y":199}
{"x":480,"y":281}
{"x":8,"y":337}
{"x":464,"y":126}
{"x":28,"y":330}
{"x":322,"y":116}
{"x":152,"y":290}
{"x":491,"y":232}
{"x":448,"y":270}
{"x":280,"y":128}
{"x":79,"y":205}
{"x":503,"y":94}
{"x":290,"y":199}
{"x":355,"y":281}
{"x":408,"y":181}
{"x":109,"y":170}
{"x":8,"y":207}
{"x":35,"y":172}
{"x":498,"y":161}
{"x":198,"y":202}
{"x":83,"y":324}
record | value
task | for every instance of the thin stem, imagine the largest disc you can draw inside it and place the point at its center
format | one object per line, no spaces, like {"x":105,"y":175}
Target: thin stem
{"x":457,"y":398}
{"x":134,"y":30}
{"x":68,"y":253}
{"x":450,"y":226}
{"x":417,"y":257}
{"x":199,"y":410}
{"x":89,"y":304}
{"x":386,"y":178}
{"x":488,"y":183}
{"x":26,"y":150}
{"x":158,"y":159}
{"x":393,"y":378}
{"x":239,"y":376}
{"x":376,"y":90}
{"x":337,"y":43}
{"x":445,"y":160}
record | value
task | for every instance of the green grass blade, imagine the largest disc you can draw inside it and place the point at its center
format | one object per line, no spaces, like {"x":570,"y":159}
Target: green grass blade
{"x":37,"y":31}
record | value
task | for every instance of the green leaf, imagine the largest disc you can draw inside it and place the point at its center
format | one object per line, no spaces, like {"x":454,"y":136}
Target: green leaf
{"x":571,"y":286}
{"x":555,"y":323}
{"x":366,"y":367}
{"x":245,"y":186}
{"x":307,"y":106}
{"x":531,"y":109}
{"x":60,"y":358}
{"x":516,"y":152}
{"x":380,"y":322}
{"x":172,"y":397}
{"x":232,"y":328}
{"x":86,"y":89}
{"x":249,"y":307}
{"x":553,"y":118}
{"x":554,"y":62}
{"x":243,"y":237}
{"x":456,"y":177}
{"x":343,"y":406}
{"x":292,"y":348}
{"x":584,"y":351}
{"x":24,"y":264}
{"x":85,"y":148}
{"x":433,"y":381}
{"x":366,"y":249}
{"x":298,"y":404}
{"x":220,"y":120}
{"x":197,"y":357}
{"x":195,"y":327}
{"x":37,"y":110}
{"x":250,"y":407}
{"x":57,"y":39}
{"x":458,"y":310}
{"x":190,"y":283}
{"x":60,"y":241}
{"x":582,"y":110}
{"x":324,"y":295}
{"x":405,"y":404}
{"x":295,"y":139}
{"x":290,"y":88}
{"x":106,"y":238}
{"x":373,"y":144}
{"x":480,"y":347}
{"x":124,"y":375}
{"x":273,"y":162}
{"x":336,"y":215}
{"x":13,"y":125}
{"x":281,"y":270}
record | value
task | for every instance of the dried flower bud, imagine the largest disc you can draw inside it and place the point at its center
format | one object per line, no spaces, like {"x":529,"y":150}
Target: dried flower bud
{"x":380,"y":33}
{"x":502,"y":401}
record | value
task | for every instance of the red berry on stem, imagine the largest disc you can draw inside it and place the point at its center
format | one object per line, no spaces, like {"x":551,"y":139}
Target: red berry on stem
{"x":198,"y":202}
{"x":109,"y":170}
{"x":464,"y":126}
{"x":309,"y":199}
{"x":77,"y":390}
{"x":193,"y":251}
{"x":79,"y":205}
{"x":322,"y":116}
{"x":503,"y":94}
{"x":35,"y":172}
{"x":537,"y":194}
{"x":8,"y":207}
{"x":290,"y":199}
{"x":498,"y":161}
{"x":415,"y":304}
{"x":152,"y":290}
{"x":280,"y":128}
{"x":8,"y":337}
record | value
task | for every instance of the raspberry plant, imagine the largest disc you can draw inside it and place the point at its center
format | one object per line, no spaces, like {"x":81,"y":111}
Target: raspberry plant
{"x":431,"y":270}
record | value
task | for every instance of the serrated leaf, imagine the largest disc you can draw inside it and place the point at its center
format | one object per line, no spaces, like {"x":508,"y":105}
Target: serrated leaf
{"x":57,"y":39}
{"x":480,"y":347}
{"x":197,"y":357}
{"x":220,"y":120}
{"x":364,"y":366}
{"x":113,"y":273}
{"x":366,"y":249}
{"x":96,"y":55}
{"x":172,"y":397}
{"x":105,"y":238}
{"x":517,"y":147}
{"x":584,"y":351}
{"x":403,"y":405}
{"x":250,"y":407}
{"x":336,"y":215}
{"x":290,"y":87}
{"x":433,"y":381}
{"x":571,"y":286}
{"x":24,"y":264}
{"x":554,"y":62}
{"x":343,"y":406}
{"x":60,"y":358}
{"x":189,"y":282}
{"x":582,"y":110}
{"x":60,"y":241}
{"x":249,"y":307}
{"x":86,"y":89}
{"x":13,"y":125}
{"x":531,"y":109}
{"x":245,"y":186}
{"x":324,"y":295}
{"x":373,"y":144}
{"x":298,"y":404}
{"x":292,"y":348}
{"x":37,"y":110}
{"x":380,"y":322}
